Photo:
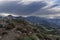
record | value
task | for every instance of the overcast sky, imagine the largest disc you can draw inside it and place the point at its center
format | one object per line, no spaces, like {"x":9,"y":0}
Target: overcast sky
{"x":30,"y":7}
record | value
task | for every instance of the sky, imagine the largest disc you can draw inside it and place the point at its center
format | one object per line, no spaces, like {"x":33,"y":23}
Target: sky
{"x":44,"y":8}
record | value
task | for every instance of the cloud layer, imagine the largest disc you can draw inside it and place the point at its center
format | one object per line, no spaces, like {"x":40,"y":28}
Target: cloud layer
{"x":28,"y":7}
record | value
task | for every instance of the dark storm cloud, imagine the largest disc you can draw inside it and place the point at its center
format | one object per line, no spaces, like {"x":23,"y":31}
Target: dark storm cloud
{"x":10,"y":7}
{"x":14,"y":7}
{"x":33,"y":7}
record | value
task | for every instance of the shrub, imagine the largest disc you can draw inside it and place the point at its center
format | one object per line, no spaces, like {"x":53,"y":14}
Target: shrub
{"x":10,"y":26}
{"x":28,"y":38}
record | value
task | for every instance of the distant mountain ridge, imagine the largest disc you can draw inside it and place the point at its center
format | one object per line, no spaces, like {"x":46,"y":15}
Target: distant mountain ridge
{"x":54,"y":23}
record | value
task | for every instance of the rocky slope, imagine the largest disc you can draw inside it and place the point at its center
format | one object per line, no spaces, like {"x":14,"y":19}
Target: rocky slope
{"x":21,"y":29}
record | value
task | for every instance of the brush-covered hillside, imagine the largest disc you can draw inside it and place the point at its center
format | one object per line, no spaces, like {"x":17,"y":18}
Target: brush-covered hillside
{"x":21,"y":29}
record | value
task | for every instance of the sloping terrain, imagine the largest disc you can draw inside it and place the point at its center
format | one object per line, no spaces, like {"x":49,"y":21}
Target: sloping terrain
{"x":21,"y":29}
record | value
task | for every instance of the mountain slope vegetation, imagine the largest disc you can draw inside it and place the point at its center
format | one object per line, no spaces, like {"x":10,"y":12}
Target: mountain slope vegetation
{"x":21,"y":29}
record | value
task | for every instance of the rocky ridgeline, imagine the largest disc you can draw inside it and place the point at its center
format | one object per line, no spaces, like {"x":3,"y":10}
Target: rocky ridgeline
{"x":20,"y":29}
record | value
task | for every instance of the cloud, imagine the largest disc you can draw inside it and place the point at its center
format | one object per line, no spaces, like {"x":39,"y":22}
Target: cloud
{"x":28,"y":7}
{"x":14,"y":7}
{"x":55,"y":5}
